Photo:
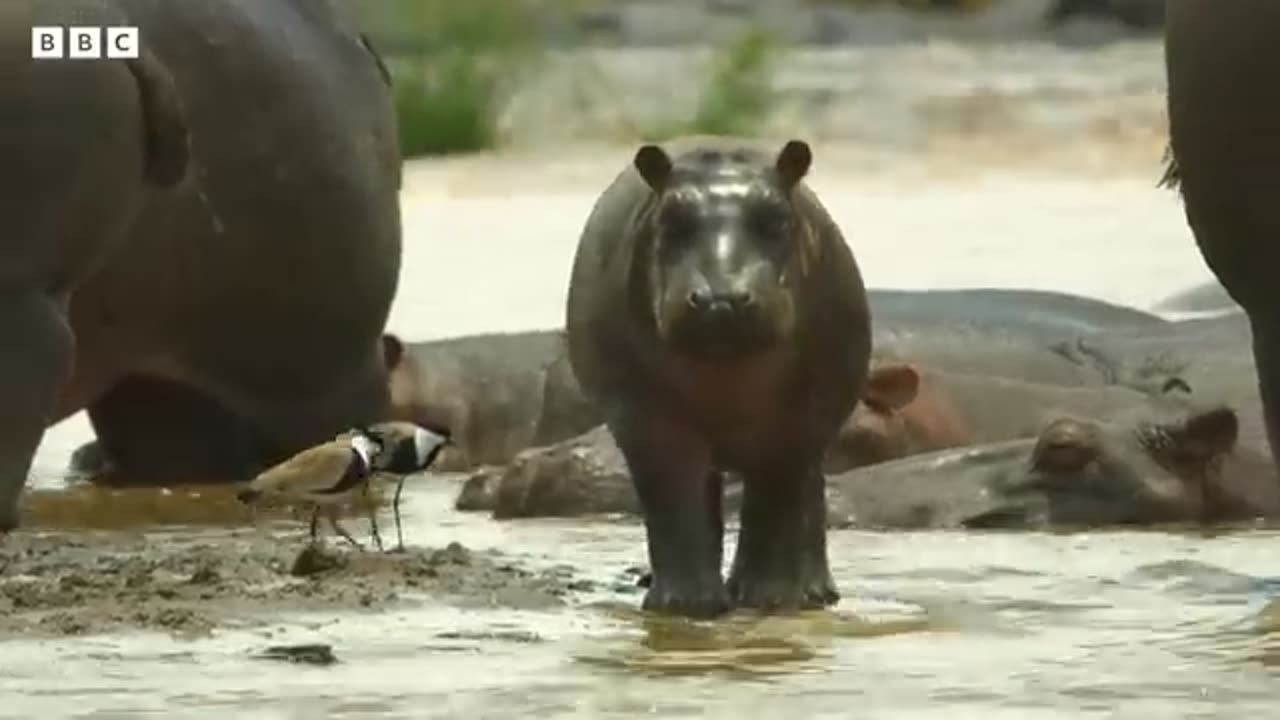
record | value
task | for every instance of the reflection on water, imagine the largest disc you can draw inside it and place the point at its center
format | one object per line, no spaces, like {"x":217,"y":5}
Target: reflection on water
{"x":742,"y":644}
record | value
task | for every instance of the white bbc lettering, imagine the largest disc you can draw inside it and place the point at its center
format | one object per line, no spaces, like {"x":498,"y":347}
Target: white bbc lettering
{"x":122,"y":42}
{"x":46,"y":42}
{"x":84,"y":42}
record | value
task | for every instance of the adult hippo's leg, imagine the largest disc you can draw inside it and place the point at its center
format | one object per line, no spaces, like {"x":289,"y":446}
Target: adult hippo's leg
{"x":781,"y":559}
{"x":35,"y":359}
{"x":153,"y":431}
{"x":680,"y":493}
{"x":1224,"y":125}
{"x":83,"y":146}
{"x":1266,"y":354}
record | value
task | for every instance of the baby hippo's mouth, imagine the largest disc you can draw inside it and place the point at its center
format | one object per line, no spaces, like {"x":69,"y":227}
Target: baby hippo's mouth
{"x":722,"y":338}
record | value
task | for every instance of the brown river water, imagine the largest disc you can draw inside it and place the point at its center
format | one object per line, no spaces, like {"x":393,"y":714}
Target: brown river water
{"x":948,"y":165}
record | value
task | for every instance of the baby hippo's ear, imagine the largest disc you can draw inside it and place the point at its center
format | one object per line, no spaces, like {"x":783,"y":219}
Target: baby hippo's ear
{"x":891,"y":387}
{"x":654,"y":165}
{"x":392,"y":351}
{"x":793,"y":163}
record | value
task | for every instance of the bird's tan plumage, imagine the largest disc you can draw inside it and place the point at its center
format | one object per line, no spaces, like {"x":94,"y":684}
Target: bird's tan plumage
{"x":312,"y":470}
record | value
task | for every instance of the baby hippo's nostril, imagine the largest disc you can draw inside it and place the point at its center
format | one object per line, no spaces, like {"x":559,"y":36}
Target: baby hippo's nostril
{"x":700,"y":299}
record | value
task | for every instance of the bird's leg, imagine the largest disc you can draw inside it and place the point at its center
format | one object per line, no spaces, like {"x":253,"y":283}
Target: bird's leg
{"x":315,"y":517}
{"x":337,"y":528}
{"x":373,"y":515}
{"x":395,"y":507}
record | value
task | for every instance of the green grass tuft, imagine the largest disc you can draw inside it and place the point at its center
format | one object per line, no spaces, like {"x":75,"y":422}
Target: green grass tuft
{"x":738,"y":95}
{"x":454,"y":65}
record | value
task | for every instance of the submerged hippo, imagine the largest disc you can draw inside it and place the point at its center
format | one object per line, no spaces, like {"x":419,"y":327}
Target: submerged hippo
{"x":181,"y":228}
{"x":1141,"y":469}
{"x":1075,"y":473}
{"x":917,"y":410}
{"x":498,"y":393}
{"x":1224,"y":107}
{"x":718,"y":319}
{"x":1210,"y":355}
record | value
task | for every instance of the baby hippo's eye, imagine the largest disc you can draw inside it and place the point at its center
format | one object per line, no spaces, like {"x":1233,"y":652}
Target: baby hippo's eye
{"x":771,"y":222}
{"x":677,"y":221}
{"x":1065,"y":456}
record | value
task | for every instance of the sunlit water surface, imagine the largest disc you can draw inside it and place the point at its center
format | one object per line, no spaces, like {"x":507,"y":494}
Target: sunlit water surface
{"x":1025,"y":626}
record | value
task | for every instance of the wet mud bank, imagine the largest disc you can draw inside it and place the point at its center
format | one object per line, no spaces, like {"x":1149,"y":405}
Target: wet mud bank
{"x":192,"y":583}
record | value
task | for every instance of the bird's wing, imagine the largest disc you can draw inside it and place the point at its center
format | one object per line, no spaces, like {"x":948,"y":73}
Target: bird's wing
{"x":312,"y":469}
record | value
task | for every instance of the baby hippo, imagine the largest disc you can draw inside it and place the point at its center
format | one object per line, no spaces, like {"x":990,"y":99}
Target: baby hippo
{"x":718,"y":320}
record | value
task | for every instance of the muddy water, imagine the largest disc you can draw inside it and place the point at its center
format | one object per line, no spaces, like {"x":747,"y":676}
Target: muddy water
{"x":113,"y":611}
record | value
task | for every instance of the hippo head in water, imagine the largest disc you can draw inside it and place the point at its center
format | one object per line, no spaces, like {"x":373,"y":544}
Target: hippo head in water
{"x":724,"y":243}
{"x":1076,"y":473}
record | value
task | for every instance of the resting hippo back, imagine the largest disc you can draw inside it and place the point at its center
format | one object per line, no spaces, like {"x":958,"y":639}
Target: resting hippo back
{"x":497,"y":393}
{"x":186,"y":307}
{"x":1026,"y":313}
{"x":719,"y":321}
{"x":1224,"y":108}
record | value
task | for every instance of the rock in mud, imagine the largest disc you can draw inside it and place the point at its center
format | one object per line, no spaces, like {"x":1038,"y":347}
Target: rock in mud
{"x":309,"y":654}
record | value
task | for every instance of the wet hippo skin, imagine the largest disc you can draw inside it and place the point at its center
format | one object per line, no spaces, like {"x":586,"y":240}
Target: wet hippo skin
{"x":202,"y":245}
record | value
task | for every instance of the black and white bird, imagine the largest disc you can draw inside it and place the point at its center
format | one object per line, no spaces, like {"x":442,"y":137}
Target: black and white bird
{"x":406,"y":448}
{"x":326,"y":476}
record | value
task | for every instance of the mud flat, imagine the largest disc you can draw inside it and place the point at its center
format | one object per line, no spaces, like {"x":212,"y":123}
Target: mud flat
{"x":193,"y":582}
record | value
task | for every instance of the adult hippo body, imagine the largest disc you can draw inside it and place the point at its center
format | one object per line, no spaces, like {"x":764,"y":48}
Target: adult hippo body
{"x":202,"y":244}
{"x":1225,"y":146}
{"x":717,"y":318}
{"x":1031,"y":314}
{"x":1012,"y":333}
{"x":498,"y":393}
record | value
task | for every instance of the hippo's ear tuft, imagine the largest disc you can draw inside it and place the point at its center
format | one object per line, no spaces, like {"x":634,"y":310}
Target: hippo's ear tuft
{"x":891,"y":387}
{"x":793,"y":162}
{"x":654,"y":165}
{"x":1210,"y":433}
{"x":392,"y":351}
{"x":167,"y":137}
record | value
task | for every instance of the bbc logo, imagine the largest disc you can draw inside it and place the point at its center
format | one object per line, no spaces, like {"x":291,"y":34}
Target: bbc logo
{"x":80,"y":43}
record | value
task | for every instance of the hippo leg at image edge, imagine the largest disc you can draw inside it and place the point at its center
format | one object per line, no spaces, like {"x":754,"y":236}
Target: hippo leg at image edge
{"x":34,"y":363}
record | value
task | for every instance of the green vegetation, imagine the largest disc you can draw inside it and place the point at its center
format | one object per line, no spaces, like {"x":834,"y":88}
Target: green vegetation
{"x":454,"y":65}
{"x":738,"y":94}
